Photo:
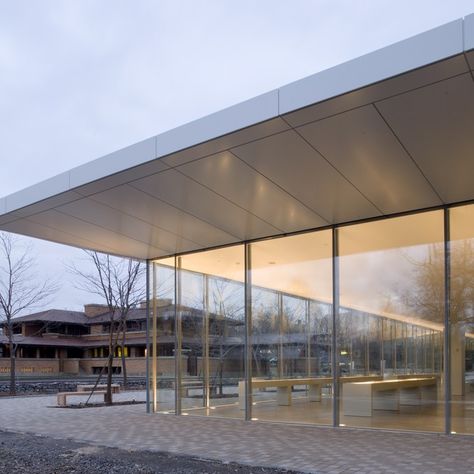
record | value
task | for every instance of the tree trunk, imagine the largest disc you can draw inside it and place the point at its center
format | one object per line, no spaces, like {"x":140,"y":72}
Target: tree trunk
{"x":108,"y":394}
{"x":124,"y":364}
{"x":110,"y":363}
{"x":221,"y":366}
{"x":12,"y":368}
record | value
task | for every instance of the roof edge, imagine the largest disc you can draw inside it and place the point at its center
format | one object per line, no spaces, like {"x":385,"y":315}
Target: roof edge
{"x":412,"y":53}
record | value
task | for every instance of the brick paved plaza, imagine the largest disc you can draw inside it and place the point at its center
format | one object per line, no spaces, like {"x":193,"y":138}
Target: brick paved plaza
{"x":304,"y":448}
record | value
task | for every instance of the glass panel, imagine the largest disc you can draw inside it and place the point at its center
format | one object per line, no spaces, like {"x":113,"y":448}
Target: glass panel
{"x":162,"y":336}
{"x":291,"y":328}
{"x":390,"y":327}
{"x":213,"y":331}
{"x":462,"y":318}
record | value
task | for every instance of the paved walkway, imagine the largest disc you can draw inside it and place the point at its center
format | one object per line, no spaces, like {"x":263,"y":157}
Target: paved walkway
{"x":303,"y":448}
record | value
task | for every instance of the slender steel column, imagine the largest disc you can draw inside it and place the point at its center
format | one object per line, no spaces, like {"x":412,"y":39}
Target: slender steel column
{"x":154,"y":369}
{"x":393,"y":341}
{"x":382,"y":348}
{"x":248,"y":333}
{"x":367,"y":354}
{"x":416,"y":344}
{"x":308,"y":338}
{"x":205,"y":361}
{"x":280,"y":334}
{"x":178,"y":335}
{"x":425,"y":352}
{"x":147,"y":342}
{"x":432,"y":342}
{"x":447,"y":320}
{"x":335,"y":319}
{"x":406,"y":349}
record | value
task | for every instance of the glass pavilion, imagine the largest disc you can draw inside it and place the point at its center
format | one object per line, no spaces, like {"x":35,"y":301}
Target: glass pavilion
{"x":317,"y":243}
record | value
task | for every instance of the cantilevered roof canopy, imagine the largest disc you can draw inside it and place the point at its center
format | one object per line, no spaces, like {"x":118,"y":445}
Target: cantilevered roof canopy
{"x":389,"y":132}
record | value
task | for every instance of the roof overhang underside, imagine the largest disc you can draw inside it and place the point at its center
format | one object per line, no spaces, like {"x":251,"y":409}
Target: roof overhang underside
{"x":390,"y":132}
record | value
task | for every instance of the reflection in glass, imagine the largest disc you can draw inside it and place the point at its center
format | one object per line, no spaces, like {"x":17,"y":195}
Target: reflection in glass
{"x":291,"y":328}
{"x":462,"y":318}
{"x":161,"y":362}
{"x":390,"y":327}
{"x":211,"y":317}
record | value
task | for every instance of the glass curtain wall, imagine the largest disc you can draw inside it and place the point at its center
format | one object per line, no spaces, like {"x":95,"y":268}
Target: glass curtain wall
{"x":391,"y":323}
{"x":211,"y":322}
{"x":390,"y":327}
{"x":291,"y":323}
{"x":162,"y":334}
{"x":462,"y":318}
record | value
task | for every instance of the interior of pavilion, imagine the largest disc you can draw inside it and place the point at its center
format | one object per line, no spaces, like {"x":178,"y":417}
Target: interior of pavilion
{"x":381,"y":325}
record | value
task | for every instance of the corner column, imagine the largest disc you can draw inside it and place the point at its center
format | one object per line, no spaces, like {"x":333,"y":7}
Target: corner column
{"x":178,"y":336}
{"x":248,"y":333}
{"x":154,"y":344}
{"x":147,"y":340}
{"x":447,"y":322}
{"x":335,"y":319}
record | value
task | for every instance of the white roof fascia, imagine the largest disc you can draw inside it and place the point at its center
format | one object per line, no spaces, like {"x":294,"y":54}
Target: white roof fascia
{"x":420,"y":50}
{"x":426,"y":48}
{"x":469,"y":32}
{"x":38,"y":192}
{"x":250,"y":112}
{"x":469,"y":40}
{"x":115,"y":162}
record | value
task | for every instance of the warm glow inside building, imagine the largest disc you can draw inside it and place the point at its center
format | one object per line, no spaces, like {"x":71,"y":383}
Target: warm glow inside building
{"x":323,"y":233}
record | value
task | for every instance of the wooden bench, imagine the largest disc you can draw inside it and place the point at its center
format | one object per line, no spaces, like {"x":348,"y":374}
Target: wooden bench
{"x":88,"y":388}
{"x":62,"y":396}
{"x":361,"y":398}
{"x":285,"y":386}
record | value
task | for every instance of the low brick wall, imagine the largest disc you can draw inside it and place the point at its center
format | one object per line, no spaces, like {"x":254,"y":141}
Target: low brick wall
{"x":31,"y":366}
{"x":70,"y":366}
{"x":136,"y":366}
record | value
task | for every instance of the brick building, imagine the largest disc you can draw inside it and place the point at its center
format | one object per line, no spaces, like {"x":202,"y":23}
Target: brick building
{"x":76,"y":342}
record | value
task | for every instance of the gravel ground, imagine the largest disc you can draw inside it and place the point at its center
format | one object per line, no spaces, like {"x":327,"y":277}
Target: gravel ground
{"x":25,"y":453}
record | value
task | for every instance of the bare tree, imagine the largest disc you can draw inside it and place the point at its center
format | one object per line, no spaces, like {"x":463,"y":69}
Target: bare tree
{"x":228,"y":306}
{"x":20,"y":290}
{"x":120,"y":282}
{"x":426,"y":295}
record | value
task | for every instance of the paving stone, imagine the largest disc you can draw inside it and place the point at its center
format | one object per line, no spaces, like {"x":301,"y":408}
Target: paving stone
{"x":298,"y":447}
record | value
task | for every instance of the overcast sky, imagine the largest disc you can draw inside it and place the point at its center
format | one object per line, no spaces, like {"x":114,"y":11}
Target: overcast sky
{"x":82,"y":78}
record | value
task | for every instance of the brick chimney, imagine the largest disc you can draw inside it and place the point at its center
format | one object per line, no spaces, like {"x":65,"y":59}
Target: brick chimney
{"x":94,"y":309}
